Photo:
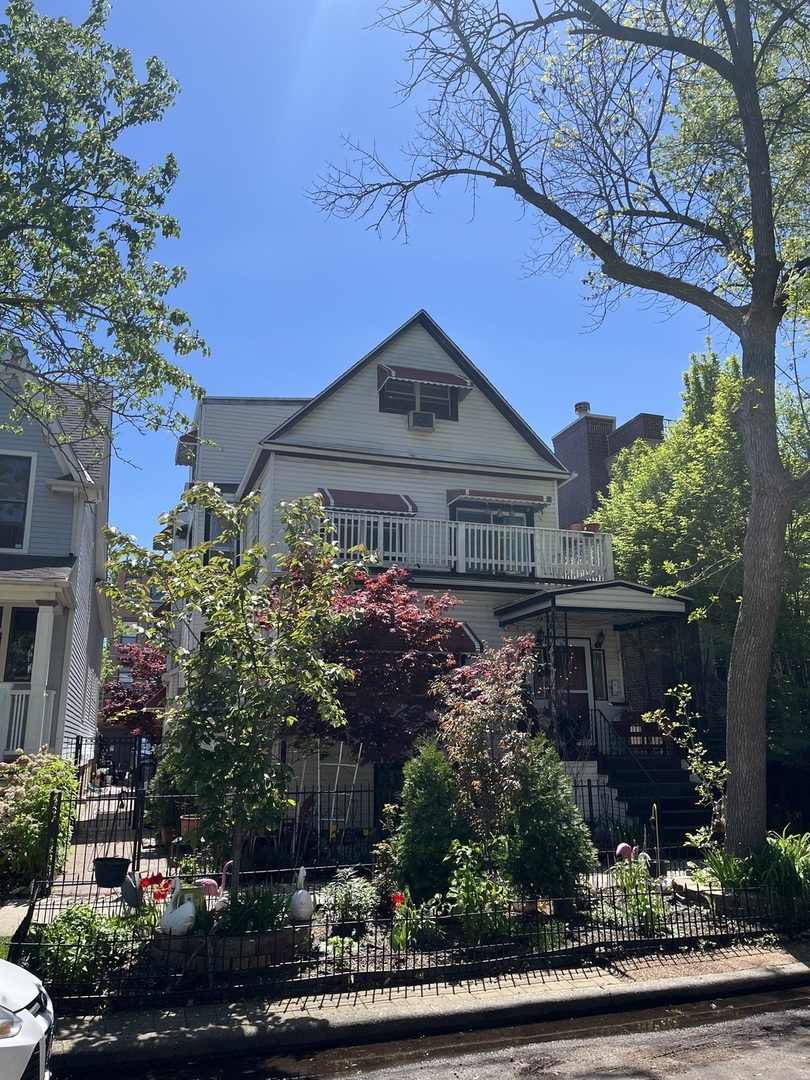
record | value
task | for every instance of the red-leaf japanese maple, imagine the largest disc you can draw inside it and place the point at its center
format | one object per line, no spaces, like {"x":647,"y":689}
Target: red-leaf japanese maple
{"x":398,"y":644}
{"x":135,"y":703}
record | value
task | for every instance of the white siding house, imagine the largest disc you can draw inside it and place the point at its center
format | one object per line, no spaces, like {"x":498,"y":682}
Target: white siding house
{"x":54,"y":486}
{"x":416,"y":455}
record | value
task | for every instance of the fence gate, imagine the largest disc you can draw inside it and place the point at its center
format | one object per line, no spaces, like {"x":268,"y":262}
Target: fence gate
{"x":113,"y":774}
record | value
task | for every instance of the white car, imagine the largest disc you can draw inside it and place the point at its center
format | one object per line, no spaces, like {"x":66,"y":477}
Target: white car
{"x":26,"y":1025}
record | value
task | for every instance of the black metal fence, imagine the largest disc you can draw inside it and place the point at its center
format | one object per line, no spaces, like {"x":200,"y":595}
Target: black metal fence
{"x":322,"y":827}
{"x":107,"y":952}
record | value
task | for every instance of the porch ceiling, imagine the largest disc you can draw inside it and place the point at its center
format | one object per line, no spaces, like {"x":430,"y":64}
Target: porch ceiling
{"x":612,"y":598}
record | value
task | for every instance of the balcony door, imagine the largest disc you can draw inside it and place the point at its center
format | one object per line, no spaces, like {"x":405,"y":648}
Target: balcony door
{"x":493,"y":547}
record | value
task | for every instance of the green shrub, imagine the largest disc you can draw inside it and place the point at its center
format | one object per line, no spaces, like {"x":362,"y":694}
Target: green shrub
{"x":782,"y":869}
{"x":643,"y":899}
{"x":255,"y":909}
{"x":78,"y":948}
{"x":548,"y":844}
{"x":349,"y":897}
{"x":25,"y":789}
{"x":163,"y":806}
{"x":428,"y":825}
{"x":476,"y":895}
{"x":724,"y":870}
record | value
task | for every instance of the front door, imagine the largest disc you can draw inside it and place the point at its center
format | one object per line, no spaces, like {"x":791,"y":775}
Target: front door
{"x":573,"y":696}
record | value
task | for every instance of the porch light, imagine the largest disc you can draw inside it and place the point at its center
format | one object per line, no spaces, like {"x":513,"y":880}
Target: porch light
{"x":600,"y":640}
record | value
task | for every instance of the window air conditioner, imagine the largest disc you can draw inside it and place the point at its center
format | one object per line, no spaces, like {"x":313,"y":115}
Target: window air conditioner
{"x":420,"y":421}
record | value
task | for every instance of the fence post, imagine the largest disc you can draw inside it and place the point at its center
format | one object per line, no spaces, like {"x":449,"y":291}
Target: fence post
{"x":590,"y":803}
{"x":52,"y":836}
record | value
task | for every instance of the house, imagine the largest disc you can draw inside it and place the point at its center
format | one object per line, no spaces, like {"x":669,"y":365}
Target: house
{"x":417,"y":456}
{"x":54,"y":483}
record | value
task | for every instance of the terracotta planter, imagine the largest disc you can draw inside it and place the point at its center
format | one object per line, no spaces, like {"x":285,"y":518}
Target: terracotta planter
{"x":577,"y":528}
{"x":189,"y":826}
{"x":593,"y":526}
{"x":244,"y":952}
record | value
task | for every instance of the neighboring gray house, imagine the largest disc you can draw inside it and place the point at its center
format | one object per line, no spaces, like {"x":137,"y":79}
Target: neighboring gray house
{"x":54,"y":486}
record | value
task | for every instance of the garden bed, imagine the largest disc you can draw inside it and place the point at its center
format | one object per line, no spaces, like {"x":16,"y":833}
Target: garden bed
{"x":216,"y":954}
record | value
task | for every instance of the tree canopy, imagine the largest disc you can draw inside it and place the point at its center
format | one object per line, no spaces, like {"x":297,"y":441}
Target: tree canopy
{"x":665,"y":147}
{"x":136,"y":701}
{"x":396,"y":643}
{"x":677,"y":513}
{"x":81,"y":291}
{"x":249,"y":646}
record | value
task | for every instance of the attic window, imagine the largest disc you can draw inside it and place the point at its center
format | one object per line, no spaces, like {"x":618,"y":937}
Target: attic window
{"x":407,"y":389}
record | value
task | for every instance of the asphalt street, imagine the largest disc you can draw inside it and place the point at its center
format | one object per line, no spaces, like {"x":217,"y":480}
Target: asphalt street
{"x":765,"y":1036}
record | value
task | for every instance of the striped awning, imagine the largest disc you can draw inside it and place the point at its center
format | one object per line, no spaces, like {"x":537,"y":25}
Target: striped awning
{"x":377,"y":502}
{"x":404,"y":373}
{"x":501,"y":498}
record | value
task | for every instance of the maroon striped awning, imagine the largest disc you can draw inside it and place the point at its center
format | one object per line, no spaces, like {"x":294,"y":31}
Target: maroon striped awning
{"x":420,"y":375}
{"x":507,"y":498}
{"x":462,"y":639}
{"x":377,"y":502}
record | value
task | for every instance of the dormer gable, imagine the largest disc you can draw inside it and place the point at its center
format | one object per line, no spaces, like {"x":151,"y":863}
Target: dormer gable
{"x":415,"y":383}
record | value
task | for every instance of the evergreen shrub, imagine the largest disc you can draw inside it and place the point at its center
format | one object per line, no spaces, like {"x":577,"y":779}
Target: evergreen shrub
{"x":428,"y":825}
{"x":548,"y":845}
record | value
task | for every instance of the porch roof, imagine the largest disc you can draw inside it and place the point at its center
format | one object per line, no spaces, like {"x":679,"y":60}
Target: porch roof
{"x":35,"y":568}
{"x":613,"y":598}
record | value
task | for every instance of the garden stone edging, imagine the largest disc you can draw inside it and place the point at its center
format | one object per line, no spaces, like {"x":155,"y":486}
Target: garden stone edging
{"x":250,"y":1027}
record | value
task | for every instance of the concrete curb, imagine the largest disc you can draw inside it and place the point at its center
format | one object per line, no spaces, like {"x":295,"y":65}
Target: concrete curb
{"x":256,"y":1027}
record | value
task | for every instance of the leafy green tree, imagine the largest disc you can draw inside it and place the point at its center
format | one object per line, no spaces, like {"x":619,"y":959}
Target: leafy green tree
{"x":80,"y":289}
{"x":512,"y":788}
{"x":677,"y":512}
{"x":666,"y":147}
{"x":252,"y":648}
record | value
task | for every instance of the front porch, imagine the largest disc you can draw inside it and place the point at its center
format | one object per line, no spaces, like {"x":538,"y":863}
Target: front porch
{"x":466,"y":547}
{"x":27,"y":696}
{"x":25,"y":718}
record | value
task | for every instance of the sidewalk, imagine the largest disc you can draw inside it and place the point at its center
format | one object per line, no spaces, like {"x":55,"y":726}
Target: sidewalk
{"x":256,"y":1027}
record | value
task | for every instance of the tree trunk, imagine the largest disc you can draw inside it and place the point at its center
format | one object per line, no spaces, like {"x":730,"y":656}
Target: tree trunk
{"x":236,"y":856}
{"x":772,"y":501}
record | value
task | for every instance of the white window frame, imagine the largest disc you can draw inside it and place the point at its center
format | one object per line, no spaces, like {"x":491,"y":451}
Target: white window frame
{"x":29,"y":505}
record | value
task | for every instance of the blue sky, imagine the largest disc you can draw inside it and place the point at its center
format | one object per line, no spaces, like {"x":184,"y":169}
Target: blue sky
{"x":288,"y":298}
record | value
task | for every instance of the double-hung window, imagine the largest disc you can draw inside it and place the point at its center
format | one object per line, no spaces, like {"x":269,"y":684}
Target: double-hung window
{"x":15,"y":489}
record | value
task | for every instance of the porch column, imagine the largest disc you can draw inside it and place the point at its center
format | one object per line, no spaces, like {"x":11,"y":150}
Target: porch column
{"x":40,"y":665}
{"x":608,"y":554}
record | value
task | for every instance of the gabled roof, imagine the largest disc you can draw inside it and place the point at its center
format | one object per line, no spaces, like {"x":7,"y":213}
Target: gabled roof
{"x":86,"y":429}
{"x":476,"y":377}
{"x":614,"y":598}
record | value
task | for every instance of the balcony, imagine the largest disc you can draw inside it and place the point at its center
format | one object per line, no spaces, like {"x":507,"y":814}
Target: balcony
{"x":471,"y":548}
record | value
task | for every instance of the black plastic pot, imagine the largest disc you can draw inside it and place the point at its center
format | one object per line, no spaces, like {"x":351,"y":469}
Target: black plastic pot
{"x":110,"y":871}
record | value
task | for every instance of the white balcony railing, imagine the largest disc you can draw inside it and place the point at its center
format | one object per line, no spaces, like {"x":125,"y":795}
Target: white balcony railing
{"x":472,"y":548}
